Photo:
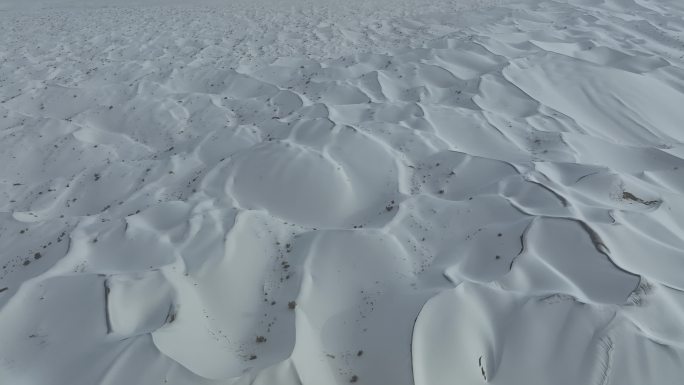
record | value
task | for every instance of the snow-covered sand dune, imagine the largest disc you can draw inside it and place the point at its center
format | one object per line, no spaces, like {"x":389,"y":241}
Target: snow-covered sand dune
{"x":425,"y":192}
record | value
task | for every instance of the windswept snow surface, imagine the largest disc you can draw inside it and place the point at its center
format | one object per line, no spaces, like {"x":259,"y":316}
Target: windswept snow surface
{"x":318,"y":193}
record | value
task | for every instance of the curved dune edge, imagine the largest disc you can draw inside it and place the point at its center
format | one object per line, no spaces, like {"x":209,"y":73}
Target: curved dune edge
{"x":479,"y":193}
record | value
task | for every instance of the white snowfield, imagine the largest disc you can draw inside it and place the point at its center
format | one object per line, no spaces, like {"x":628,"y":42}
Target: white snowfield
{"x":422,"y":192}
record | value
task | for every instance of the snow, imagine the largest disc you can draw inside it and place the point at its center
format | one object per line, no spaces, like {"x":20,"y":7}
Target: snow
{"x":316,"y":192}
